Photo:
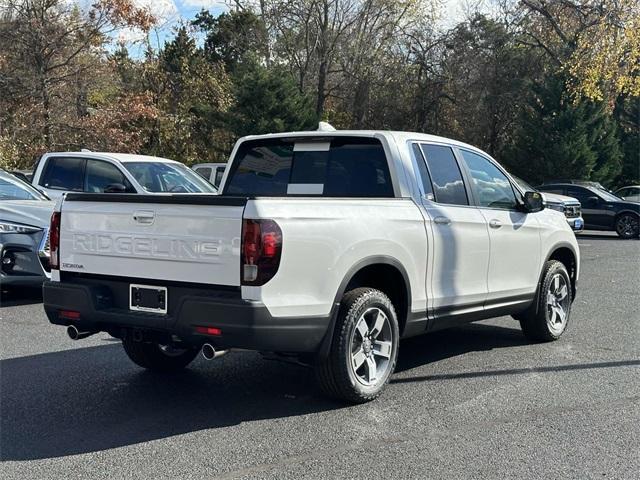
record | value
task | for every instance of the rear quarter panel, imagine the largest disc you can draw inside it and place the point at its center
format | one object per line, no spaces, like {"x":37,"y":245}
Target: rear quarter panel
{"x":324,"y":238}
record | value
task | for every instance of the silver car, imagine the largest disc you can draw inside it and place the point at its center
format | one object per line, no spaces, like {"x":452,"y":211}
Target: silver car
{"x":25,"y":214}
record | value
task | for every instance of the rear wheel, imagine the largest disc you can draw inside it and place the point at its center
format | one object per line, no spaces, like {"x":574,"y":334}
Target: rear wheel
{"x":364,"y":349}
{"x":628,"y":226}
{"x":156,"y":357}
{"x":547,"y":319}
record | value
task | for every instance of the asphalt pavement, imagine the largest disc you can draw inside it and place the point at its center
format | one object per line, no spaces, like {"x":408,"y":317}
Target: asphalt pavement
{"x":473,"y":402}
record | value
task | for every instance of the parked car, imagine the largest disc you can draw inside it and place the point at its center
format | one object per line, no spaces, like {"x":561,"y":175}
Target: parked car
{"x":60,"y":172}
{"x":569,"y":206}
{"x":631,"y":193}
{"x":25,"y":214}
{"x":602,"y":210}
{"x":324,"y":246}
{"x":212,"y":172}
{"x":585,"y":183}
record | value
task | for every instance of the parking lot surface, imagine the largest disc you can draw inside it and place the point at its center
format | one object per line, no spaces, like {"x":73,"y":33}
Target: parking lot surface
{"x":472,"y":402}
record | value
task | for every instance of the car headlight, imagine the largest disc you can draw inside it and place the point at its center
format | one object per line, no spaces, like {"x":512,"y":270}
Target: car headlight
{"x":10,"y":227}
{"x":558,"y":207}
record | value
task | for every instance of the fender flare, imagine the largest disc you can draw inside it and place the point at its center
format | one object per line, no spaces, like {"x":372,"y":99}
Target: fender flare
{"x":325,"y":346}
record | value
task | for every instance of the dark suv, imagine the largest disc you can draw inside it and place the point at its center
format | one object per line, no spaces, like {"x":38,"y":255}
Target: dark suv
{"x":601,"y":210}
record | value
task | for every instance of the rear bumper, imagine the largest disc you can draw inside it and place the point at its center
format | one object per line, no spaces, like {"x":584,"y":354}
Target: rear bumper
{"x":244,"y":324}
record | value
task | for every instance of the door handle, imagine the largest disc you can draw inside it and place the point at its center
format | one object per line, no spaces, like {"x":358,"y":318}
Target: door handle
{"x":144,"y":216}
{"x":442,"y":220}
{"x":495,"y":223}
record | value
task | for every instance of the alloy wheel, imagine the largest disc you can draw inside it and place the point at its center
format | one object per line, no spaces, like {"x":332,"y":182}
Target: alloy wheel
{"x":371,"y":347}
{"x":557,"y":304}
{"x":627,"y":226}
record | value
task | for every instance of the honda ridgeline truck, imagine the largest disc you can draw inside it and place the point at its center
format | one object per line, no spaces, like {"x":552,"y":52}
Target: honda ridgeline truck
{"x":324,"y":247}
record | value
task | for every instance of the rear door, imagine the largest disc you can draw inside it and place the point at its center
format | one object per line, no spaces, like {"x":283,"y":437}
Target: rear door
{"x":182,"y":238}
{"x":460,"y":237}
{"x":62,"y":174}
{"x":514,"y":265}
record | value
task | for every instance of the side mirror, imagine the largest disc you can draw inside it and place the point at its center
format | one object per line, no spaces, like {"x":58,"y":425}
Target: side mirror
{"x":115,"y":188}
{"x":533,"y":202}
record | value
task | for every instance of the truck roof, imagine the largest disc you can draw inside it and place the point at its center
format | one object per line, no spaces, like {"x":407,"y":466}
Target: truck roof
{"x":398,"y":136}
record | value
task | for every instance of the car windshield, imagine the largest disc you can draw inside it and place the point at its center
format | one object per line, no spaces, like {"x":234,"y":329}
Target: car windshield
{"x":157,"y":177}
{"x":609,"y":197}
{"x":12,"y":188}
{"x":524,"y":185}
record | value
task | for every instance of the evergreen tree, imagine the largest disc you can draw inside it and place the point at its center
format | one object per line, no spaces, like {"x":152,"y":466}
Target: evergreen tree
{"x":233,"y":38}
{"x":559,"y":138}
{"x":268,"y":100}
{"x":627,"y":114}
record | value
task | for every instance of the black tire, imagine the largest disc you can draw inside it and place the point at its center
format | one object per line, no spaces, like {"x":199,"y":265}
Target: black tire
{"x":336,"y":375}
{"x":627,"y":225}
{"x":152,"y":356}
{"x":540,"y":323}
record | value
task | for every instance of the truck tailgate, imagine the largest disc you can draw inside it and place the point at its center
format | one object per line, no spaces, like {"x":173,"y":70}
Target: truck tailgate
{"x":183,"y":238}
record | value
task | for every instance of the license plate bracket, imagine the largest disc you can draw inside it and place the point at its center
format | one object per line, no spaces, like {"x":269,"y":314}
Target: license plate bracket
{"x":148,"y":298}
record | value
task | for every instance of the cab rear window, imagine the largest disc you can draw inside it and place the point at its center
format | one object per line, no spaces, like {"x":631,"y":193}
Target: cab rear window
{"x":327,"y":167}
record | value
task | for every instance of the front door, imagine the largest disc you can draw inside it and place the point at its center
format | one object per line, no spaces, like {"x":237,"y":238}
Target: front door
{"x":515,"y":260}
{"x":595,"y":211}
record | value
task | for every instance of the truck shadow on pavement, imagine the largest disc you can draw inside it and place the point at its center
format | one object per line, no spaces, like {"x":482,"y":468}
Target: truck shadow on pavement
{"x":92,"y":399}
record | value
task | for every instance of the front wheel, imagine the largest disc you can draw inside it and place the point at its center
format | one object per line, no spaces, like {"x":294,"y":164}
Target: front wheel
{"x":156,"y":357}
{"x":627,"y":226}
{"x":547,"y":319}
{"x":364,"y":349}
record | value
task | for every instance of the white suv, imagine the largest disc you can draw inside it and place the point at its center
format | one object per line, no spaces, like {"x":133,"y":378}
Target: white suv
{"x":324,"y":246}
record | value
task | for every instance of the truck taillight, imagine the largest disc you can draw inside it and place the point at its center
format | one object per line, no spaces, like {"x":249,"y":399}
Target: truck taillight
{"x":261,"y":251}
{"x":54,"y":241}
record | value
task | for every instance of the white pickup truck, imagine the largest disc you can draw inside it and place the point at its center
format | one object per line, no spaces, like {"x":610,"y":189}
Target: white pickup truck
{"x":324,"y":247}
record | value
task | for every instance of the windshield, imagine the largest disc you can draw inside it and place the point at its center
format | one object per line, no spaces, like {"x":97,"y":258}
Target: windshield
{"x":524,"y":185}
{"x":609,"y":197}
{"x":12,"y":188}
{"x":157,"y":177}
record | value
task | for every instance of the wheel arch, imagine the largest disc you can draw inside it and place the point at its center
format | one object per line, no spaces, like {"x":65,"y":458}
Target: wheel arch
{"x":565,"y":254}
{"x":382,"y":272}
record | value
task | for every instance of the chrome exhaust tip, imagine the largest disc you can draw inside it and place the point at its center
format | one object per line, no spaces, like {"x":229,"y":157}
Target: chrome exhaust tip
{"x":209,"y":352}
{"x":75,"y":334}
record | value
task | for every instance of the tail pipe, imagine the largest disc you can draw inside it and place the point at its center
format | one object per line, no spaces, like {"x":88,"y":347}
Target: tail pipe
{"x":209,"y":352}
{"x":75,"y":334}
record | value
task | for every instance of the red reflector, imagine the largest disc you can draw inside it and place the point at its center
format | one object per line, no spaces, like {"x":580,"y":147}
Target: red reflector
{"x":269,"y":245}
{"x":70,"y":314}
{"x":54,"y":241}
{"x":209,"y":331}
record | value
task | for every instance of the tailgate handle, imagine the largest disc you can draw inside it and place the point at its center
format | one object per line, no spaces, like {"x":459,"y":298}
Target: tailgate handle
{"x":144,"y":217}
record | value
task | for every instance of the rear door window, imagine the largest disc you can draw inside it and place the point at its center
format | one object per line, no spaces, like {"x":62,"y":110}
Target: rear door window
{"x":448,"y":186}
{"x":64,"y":173}
{"x":425,"y":179}
{"x":338,"y":167}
